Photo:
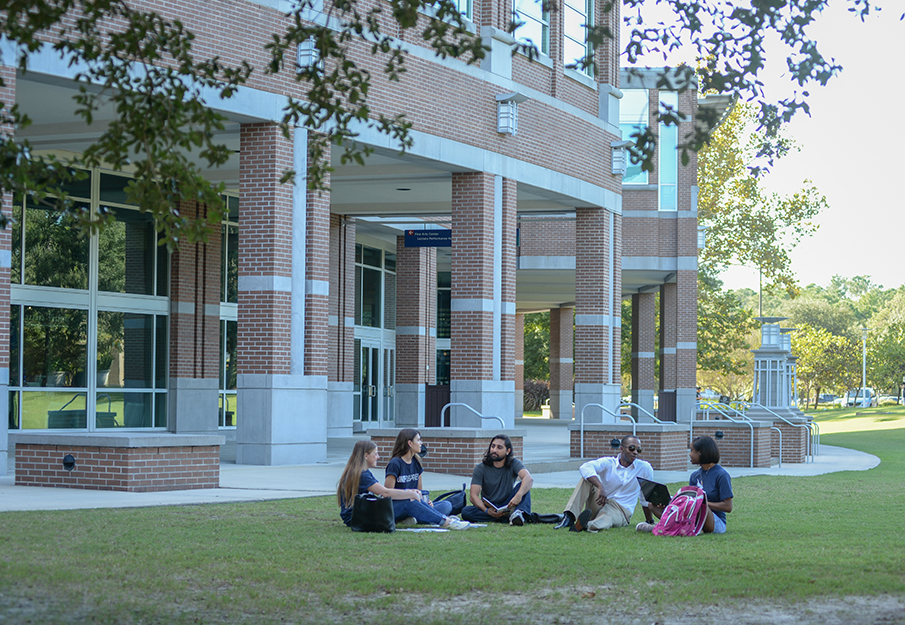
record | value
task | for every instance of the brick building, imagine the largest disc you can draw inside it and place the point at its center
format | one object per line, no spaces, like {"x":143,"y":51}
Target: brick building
{"x":310,"y":316}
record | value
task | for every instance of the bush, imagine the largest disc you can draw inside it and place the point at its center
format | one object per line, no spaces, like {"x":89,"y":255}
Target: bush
{"x":537,"y":392}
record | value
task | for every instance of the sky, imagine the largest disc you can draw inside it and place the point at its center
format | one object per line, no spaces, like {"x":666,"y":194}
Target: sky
{"x":851,"y":149}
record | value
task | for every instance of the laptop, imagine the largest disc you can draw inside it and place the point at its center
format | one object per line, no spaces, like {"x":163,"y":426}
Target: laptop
{"x":654,"y":492}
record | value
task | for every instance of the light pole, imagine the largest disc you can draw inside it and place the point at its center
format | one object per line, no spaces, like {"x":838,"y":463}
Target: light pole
{"x":863,"y":392}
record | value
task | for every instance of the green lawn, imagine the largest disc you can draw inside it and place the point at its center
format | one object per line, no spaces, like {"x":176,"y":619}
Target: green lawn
{"x":790,"y":540}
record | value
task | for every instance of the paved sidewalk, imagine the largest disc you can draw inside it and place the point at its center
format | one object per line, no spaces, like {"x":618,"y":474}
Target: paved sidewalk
{"x":546,"y":449}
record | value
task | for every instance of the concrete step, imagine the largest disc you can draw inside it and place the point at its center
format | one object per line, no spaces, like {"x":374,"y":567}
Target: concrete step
{"x":554,"y":466}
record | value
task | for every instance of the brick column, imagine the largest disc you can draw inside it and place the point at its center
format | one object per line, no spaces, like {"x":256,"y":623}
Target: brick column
{"x":561,"y":362}
{"x":483,"y":299}
{"x":519,"y":399}
{"x":416,"y":330}
{"x":668,"y":378}
{"x":597,"y":318}
{"x":644,"y":327}
{"x":341,"y":330}
{"x":194,"y":334}
{"x":8,"y":99}
{"x":283,"y":298}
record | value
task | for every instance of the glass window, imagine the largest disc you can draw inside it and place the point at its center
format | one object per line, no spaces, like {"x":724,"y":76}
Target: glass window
{"x":443,"y":366}
{"x":54,"y":409}
{"x":125,"y":353}
{"x":230,"y":265}
{"x":464,"y":7}
{"x":577,"y":16}
{"x":113,"y":188}
{"x":54,"y":350}
{"x":54,"y":254}
{"x":634,"y":115}
{"x":14,"y":332}
{"x":535,"y":23}
{"x":128,"y":254}
{"x":370,"y":297}
{"x":444,"y":292}
{"x":372,"y":257}
{"x":668,"y":165}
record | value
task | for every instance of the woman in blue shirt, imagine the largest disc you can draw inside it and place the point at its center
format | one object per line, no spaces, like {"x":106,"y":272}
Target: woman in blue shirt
{"x":358,"y":479}
{"x":404,"y":470}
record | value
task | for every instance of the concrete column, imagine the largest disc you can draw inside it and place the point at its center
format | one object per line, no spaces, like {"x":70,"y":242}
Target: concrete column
{"x":561,"y":362}
{"x":482,"y":299}
{"x":8,"y":98}
{"x":416,"y":330}
{"x":194,"y":335}
{"x":283,"y":304}
{"x":341,"y":327}
{"x":597,"y":318}
{"x":644,"y":327}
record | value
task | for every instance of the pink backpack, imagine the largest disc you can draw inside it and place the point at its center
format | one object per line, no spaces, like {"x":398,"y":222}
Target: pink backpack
{"x":685,"y":514}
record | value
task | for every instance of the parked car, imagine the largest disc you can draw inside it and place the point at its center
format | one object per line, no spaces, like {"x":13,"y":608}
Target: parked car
{"x":861,"y":397}
{"x":826,"y":398}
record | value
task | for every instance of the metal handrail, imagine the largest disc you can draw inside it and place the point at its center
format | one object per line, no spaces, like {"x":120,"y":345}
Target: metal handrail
{"x":502,"y":424}
{"x":707,"y":406}
{"x":634,"y":405}
{"x":808,"y":451}
{"x":745,"y":417}
{"x":77,"y":395}
{"x":607,"y":410}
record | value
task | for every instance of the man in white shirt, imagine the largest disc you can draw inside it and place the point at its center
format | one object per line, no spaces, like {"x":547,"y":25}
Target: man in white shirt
{"x":608,"y":490}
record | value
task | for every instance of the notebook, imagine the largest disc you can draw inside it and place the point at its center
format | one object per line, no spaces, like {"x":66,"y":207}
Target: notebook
{"x":654,"y":492}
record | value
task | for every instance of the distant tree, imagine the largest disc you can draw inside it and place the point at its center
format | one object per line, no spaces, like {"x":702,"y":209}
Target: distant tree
{"x":825,"y":362}
{"x":886,"y":357}
{"x":745,"y":224}
{"x":537,"y":346}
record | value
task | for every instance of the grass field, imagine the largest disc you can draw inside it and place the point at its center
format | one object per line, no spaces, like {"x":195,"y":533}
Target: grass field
{"x":796,"y":548}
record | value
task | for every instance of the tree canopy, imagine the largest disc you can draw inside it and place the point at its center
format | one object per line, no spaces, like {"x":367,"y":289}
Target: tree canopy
{"x":147,"y":66}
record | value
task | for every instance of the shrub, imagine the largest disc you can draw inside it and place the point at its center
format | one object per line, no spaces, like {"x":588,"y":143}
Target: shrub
{"x":536,"y":393}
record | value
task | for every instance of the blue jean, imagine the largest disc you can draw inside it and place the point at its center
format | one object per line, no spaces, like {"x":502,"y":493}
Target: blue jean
{"x":476,"y":515}
{"x":719,"y":525}
{"x":422,"y":512}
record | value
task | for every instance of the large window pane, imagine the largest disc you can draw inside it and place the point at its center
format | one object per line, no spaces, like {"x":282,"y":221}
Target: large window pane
{"x":55,"y":410}
{"x":54,"y":352}
{"x":125,"y":350}
{"x":14,"y":345}
{"x":634,"y":116}
{"x":161,"y":359}
{"x":127,"y":254}
{"x":54,"y":254}
{"x":230,"y":267}
{"x":128,"y":410}
{"x":370,"y":297}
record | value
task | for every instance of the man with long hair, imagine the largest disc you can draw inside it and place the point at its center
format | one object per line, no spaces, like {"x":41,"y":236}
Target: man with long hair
{"x":494,"y":494}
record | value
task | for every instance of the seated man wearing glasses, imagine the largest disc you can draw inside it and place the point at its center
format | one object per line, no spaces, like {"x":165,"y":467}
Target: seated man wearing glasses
{"x":608,"y":490}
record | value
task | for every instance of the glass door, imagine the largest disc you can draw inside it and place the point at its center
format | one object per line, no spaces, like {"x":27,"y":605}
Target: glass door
{"x":389,"y":387}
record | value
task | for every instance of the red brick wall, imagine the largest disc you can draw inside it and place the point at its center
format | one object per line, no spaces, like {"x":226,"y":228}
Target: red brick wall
{"x":136,"y":470}
{"x":735,"y":446}
{"x":454,"y":456}
{"x":8,"y":98}
{"x":794,"y":442}
{"x":416,"y":299}
{"x":665,"y":451}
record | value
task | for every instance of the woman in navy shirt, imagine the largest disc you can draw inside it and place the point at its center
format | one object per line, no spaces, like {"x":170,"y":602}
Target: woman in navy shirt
{"x":404,"y":470}
{"x":358,"y":479}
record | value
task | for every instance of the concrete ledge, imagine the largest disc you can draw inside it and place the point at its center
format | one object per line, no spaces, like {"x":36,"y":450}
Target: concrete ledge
{"x":125,"y":439}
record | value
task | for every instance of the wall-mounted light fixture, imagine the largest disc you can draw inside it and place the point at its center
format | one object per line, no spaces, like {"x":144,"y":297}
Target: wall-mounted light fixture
{"x":309,"y":57}
{"x":69,"y":462}
{"x":615,"y":443}
{"x":718,"y":434}
{"x":620,"y":157}
{"x":507,"y":112}
{"x":702,"y":237}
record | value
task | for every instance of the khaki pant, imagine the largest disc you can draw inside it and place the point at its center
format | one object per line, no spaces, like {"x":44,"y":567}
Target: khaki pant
{"x":602,"y":517}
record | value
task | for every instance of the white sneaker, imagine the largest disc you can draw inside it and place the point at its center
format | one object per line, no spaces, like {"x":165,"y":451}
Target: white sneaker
{"x":457,"y":524}
{"x":409,"y":520}
{"x":645,"y":527}
{"x":517,"y":518}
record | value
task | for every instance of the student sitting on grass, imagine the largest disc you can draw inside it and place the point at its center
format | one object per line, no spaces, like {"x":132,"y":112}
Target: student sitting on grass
{"x":713,"y":479}
{"x":358,"y":479}
{"x":404,"y":470}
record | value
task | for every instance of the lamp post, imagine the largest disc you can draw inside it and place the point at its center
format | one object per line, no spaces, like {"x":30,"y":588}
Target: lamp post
{"x":863,"y":392}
